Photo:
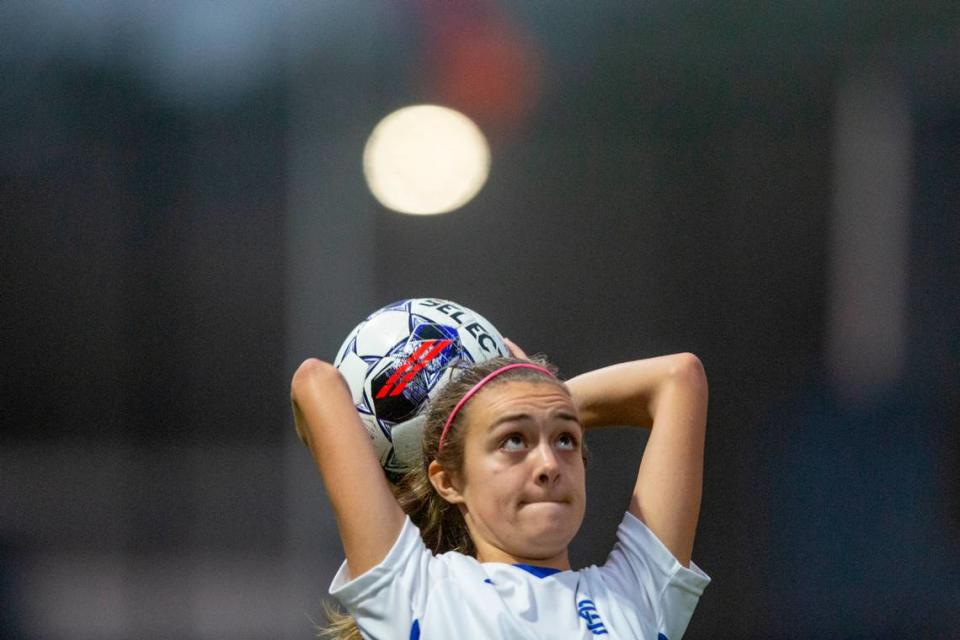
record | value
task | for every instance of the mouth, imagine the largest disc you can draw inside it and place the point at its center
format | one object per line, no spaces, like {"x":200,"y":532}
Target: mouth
{"x":526,"y":502}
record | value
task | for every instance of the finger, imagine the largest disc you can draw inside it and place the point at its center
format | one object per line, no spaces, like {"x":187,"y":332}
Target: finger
{"x":515,"y":351}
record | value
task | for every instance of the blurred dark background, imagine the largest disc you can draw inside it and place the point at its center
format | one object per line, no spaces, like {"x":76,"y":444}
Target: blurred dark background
{"x":185,"y":217}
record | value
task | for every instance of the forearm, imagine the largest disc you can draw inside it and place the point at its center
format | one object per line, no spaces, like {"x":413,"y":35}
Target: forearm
{"x":628,"y":394}
{"x":669,"y":395}
{"x":669,"y":482}
{"x":328,"y":423}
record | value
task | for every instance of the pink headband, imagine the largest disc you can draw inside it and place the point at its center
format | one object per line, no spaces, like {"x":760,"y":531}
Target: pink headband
{"x":473,"y":390}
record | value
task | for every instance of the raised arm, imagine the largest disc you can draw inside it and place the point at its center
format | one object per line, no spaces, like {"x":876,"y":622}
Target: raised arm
{"x":368,"y":516}
{"x":669,"y":395}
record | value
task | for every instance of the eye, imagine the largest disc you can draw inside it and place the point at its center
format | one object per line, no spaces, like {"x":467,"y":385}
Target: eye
{"x":567,"y":441}
{"x":513,"y":442}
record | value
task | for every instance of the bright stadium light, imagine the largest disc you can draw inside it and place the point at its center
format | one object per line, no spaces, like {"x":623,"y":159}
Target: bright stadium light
{"x":426,"y":159}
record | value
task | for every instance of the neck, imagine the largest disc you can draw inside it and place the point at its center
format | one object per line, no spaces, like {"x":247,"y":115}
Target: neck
{"x":487,"y":552}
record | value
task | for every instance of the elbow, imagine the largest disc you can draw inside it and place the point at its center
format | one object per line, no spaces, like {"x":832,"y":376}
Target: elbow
{"x":688,"y":370}
{"x":311,"y":373}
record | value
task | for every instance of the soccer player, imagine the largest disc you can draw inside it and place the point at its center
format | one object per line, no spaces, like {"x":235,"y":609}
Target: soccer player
{"x":473,"y":543}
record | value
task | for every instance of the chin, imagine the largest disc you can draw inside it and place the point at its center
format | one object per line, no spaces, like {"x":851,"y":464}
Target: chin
{"x":540,"y":551}
{"x":554,"y":515}
{"x":551,"y":537}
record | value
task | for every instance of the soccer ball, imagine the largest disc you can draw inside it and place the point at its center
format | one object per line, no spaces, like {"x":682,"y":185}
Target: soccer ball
{"x":397,"y":359}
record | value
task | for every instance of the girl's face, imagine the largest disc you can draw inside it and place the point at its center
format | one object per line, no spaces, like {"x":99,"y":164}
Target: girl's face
{"x":522,"y":489}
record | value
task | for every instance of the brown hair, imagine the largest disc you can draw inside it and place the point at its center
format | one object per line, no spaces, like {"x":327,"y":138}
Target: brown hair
{"x":441,"y":524}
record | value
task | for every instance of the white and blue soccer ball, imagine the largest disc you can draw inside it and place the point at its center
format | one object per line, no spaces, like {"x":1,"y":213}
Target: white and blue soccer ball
{"x":397,"y":359}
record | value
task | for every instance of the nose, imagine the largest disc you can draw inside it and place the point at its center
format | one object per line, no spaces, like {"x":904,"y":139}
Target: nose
{"x":547,"y":465}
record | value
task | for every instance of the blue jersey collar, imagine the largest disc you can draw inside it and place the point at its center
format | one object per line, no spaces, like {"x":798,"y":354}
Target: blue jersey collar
{"x":540,"y":572}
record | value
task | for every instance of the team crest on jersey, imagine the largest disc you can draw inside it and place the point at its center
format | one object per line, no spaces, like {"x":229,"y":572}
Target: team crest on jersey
{"x":588,"y":611}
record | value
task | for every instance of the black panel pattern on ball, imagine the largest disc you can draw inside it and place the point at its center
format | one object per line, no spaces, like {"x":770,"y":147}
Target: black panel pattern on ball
{"x":399,"y":391}
{"x":348,"y":347}
{"x":392,"y":468}
{"x":399,"y":305}
{"x":364,"y":404}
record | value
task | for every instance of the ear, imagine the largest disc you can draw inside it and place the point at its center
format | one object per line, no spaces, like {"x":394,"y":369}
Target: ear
{"x":443,"y":482}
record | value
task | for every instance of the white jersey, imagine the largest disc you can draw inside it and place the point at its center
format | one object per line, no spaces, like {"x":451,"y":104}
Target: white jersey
{"x":641,"y":592}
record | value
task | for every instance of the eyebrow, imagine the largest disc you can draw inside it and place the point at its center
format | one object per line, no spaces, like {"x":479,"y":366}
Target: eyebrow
{"x":520,"y":417}
{"x":510,"y":417}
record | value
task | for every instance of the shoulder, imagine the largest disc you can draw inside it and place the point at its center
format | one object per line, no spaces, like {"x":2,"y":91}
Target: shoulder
{"x":644,"y":552}
{"x":408,"y":564}
{"x":407,"y":549}
{"x":642,"y":575}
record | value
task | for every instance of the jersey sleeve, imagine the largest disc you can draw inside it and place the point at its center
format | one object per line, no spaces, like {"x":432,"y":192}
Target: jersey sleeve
{"x":642,"y":570}
{"x":384,"y":599}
